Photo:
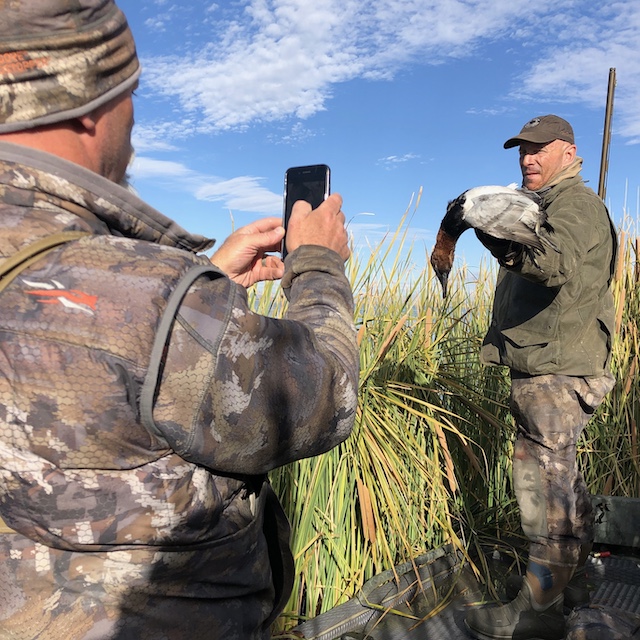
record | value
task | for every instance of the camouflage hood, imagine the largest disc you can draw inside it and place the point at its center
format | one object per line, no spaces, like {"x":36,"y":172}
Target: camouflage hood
{"x":91,"y":195}
{"x":60,"y":59}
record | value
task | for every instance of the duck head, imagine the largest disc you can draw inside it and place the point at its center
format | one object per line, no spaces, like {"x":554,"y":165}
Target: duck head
{"x":451,"y":228}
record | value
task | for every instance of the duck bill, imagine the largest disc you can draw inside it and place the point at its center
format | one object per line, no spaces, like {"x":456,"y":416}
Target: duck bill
{"x":444,"y":282}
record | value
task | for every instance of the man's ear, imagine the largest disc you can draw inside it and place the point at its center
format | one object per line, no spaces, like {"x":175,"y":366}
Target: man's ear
{"x":87,"y":123}
{"x":569,"y":154}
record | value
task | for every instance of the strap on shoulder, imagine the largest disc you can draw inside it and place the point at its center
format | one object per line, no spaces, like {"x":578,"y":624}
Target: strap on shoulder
{"x":154,"y":372}
{"x":19,"y":261}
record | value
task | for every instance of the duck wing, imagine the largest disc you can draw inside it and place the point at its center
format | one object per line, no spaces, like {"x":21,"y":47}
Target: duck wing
{"x":509,"y":214}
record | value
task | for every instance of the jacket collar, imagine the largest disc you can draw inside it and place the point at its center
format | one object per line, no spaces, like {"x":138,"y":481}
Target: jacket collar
{"x":89,"y":195}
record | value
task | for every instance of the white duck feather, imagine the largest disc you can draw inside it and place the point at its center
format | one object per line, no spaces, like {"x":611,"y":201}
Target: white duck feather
{"x":505,"y":213}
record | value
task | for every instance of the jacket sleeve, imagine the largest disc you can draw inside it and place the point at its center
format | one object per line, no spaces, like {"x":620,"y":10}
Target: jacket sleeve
{"x":580,"y":223}
{"x":244,"y":393}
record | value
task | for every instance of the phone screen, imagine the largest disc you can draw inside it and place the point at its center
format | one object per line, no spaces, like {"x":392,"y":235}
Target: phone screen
{"x":310,"y":183}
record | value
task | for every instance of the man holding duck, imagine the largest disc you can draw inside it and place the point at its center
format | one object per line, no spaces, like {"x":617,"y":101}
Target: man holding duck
{"x":552,"y":326}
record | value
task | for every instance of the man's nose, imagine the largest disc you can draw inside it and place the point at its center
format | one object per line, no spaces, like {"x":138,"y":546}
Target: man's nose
{"x":526,"y":159}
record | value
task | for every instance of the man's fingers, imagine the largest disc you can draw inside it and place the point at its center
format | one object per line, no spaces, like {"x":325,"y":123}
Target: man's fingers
{"x":261,"y":225}
{"x":300,"y":207}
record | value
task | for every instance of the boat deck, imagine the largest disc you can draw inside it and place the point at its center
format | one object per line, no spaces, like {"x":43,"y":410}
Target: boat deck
{"x":408,"y":609}
{"x":427,"y":599}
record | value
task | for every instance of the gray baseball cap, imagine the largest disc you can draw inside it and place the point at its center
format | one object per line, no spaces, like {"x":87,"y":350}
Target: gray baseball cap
{"x":60,"y":59}
{"x":541,"y":130}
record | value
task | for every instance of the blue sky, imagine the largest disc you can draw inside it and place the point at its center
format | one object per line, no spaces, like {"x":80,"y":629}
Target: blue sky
{"x":395,"y":95}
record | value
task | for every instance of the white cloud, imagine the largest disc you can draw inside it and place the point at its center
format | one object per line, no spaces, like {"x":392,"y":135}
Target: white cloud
{"x":366,"y":238}
{"x":157,"y":23}
{"x":265,"y":62}
{"x":296,"y":135}
{"x":150,"y":139}
{"x":363,"y":235}
{"x":283,"y":58}
{"x":149,"y":168}
{"x":393,"y":161}
{"x":576,"y":68}
{"x":244,"y":193}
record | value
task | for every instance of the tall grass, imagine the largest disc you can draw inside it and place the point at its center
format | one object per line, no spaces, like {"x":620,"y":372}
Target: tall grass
{"x":609,"y":457}
{"x":429,"y":459}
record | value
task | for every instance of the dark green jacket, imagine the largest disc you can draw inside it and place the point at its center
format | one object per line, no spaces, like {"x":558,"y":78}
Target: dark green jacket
{"x":559,"y":318}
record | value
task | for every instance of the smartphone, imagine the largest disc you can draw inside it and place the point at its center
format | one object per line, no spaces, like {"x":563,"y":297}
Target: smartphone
{"x":311,"y":183}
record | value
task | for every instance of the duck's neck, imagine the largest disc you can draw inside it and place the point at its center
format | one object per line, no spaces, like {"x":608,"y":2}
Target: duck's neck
{"x":453,"y":224}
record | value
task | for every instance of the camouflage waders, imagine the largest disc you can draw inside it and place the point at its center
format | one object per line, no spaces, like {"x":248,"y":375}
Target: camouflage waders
{"x":551,"y":411}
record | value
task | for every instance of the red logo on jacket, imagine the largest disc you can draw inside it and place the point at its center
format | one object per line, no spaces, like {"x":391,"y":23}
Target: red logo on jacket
{"x":53,"y":292}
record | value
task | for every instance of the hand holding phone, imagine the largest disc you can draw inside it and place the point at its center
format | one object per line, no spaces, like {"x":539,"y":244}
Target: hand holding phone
{"x":311,"y":183}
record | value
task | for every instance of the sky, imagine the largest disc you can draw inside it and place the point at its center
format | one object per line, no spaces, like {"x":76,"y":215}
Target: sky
{"x":398,"y":97}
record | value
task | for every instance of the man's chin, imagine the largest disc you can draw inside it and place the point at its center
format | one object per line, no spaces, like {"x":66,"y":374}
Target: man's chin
{"x":126,"y":179}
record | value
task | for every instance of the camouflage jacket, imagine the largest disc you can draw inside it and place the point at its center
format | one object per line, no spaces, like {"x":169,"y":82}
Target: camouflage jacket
{"x":138,"y":416}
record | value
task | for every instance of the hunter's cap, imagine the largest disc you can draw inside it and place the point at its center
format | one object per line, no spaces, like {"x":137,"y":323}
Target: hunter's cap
{"x":541,"y":130}
{"x":60,"y":59}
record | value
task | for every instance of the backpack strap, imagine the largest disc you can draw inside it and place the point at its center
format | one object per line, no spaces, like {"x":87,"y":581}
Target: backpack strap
{"x":4,"y":528}
{"x":19,"y":261}
{"x":154,"y":372}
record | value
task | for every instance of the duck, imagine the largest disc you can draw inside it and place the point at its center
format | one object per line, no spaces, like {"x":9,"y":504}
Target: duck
{"x":503,"y":212}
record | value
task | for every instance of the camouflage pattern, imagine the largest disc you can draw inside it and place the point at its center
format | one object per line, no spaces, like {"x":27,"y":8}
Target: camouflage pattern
{"x":165,"y":533}
{"x":555,"y":508}
{"x":60,"y":59}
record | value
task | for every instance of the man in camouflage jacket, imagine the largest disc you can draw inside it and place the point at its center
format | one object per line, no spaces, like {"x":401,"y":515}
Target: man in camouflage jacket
{"x":141,"y":401}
